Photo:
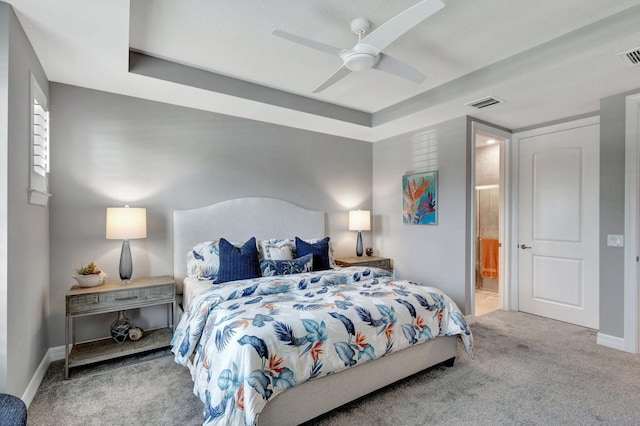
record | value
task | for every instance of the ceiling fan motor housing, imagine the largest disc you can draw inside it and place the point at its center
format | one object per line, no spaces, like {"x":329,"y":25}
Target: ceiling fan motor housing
{"x":361,"y":58}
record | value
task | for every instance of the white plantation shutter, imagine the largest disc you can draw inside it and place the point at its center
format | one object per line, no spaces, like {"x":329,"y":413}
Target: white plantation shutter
{"x":40,"y":139}
{"x":40,"y":162}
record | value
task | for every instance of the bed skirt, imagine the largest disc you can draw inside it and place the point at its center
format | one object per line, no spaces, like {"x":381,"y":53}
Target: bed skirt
{"x":316,"y":397}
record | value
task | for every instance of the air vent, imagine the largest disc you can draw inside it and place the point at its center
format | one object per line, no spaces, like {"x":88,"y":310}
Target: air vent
{"x":632,"y":56}
{"x":485,"y":102}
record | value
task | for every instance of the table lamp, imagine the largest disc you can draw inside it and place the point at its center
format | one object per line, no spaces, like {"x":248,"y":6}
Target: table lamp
{"x":359,"y":220}
{"x":126,"y":223}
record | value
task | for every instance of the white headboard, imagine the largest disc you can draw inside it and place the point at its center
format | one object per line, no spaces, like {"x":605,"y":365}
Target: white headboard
{"x":238,"y":220}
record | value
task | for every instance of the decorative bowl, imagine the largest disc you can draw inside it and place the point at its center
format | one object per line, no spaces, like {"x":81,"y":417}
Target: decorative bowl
{"x":90,"y":280}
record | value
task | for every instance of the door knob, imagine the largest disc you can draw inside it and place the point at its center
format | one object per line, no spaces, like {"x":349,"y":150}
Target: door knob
{"x":524,"y":246}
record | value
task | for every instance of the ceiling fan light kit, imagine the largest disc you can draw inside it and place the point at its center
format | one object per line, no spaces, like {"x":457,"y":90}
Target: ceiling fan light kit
{"x":367,"y":53}
{"x":360,"y":58}
{"x":359,"y":62}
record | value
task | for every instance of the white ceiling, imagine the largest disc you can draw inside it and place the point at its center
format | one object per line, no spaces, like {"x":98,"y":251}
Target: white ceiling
{"x":547,"y":59}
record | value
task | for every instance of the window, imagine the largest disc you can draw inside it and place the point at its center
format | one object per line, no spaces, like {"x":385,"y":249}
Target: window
{"x":40,"y":147}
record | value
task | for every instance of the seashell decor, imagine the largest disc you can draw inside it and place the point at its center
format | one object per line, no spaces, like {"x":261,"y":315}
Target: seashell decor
{"x":135,"y":333}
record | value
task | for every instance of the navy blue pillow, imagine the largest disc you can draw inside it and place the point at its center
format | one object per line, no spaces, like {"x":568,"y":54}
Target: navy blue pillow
{"x":319,"y":250}
{"x":238,"y":263}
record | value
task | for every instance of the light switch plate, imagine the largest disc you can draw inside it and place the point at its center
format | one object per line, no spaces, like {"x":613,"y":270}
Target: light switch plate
{"x":615,"y":240}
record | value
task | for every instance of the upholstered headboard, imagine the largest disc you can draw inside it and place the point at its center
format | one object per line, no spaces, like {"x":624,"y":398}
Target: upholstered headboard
{"x":238,"y":220}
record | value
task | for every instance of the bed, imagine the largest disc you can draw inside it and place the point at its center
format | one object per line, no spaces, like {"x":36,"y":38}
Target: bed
{"x":264,"y":350}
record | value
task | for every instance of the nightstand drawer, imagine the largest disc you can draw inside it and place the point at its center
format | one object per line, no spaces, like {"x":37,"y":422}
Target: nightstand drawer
{"x":384,"y":264}
{"x":373,"y":261}
{"x":119,"y":299}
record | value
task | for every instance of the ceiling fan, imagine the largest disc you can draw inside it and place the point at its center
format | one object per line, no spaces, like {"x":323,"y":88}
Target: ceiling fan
{"x":367,"y":53}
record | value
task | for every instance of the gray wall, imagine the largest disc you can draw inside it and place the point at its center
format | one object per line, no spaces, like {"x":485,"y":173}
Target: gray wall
{"x":5,"y":15}
{"x":109,"y":150}
{"x":433,"y":255}
{"x":612,"y":176}
{"x":24,"y":228}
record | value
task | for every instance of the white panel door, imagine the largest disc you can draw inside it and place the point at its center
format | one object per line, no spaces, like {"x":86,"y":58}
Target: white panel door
{"x":558,"y":260}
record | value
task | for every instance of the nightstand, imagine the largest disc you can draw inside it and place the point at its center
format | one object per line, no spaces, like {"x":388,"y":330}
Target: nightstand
{"x":378,"y":262}
{"x":114,"y":296}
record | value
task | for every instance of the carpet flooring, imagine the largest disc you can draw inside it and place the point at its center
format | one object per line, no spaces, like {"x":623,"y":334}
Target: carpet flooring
{"x":526,"y":370}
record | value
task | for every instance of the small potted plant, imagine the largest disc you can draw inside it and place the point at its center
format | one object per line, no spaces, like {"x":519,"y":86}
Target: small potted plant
{"x":89,"y":276}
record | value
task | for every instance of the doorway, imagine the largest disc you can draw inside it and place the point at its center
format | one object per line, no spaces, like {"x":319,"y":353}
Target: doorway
{"x":489,"y":221}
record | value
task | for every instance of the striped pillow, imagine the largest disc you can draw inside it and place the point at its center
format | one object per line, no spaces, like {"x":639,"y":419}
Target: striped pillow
{"x":238,"y":263}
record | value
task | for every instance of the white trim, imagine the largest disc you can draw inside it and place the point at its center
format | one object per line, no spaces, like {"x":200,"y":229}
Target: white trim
{"x":631,"y":304}
{"x":513,"y":161}
{"x":57,"y":353}
{"x":611,"y":341}
{"x":559,"y":127}
{"x":38,"y":197}
{"x":472,"y":218}
{"x":53,"y":354}
{"x":470,"y":319}
{"x":515,"y":156}
{"x":505,"y":194}
{"x":506,"y":212}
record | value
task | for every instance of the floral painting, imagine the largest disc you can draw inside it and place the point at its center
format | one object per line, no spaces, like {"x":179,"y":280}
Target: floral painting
{"x":419,"y":197}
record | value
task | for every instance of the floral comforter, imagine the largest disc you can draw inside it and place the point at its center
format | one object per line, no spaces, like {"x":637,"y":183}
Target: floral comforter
{"x":247,"y":341}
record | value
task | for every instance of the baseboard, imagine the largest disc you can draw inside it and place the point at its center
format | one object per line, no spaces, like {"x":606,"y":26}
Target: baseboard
{"x":53,"y":354}
{"x":610,"y":341}
{"x":57,"y":353}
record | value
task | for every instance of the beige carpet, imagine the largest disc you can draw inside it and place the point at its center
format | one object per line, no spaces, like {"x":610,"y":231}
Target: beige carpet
{"x":527,"y":371}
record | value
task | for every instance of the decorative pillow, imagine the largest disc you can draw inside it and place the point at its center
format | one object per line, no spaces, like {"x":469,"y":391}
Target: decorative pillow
{"x":319,"y":250}
{"x":203,"y":260}
{"x":332,"y":260}
{"x":270,"y":268}
{"x":275,"y":249}
{"x":238,"y":263}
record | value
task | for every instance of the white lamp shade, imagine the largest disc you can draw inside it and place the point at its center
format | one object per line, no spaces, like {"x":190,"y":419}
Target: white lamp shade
{"x":359,"y":220}
{"x":126,"y":223}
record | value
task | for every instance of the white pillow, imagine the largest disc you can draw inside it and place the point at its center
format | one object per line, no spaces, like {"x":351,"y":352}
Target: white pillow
{"x":203,"y":260}
{"x":275,"y":249}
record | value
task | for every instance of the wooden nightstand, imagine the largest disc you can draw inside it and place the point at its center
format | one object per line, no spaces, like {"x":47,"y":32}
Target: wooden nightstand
{"x":114,"y":296}
{"x":378,"y":262}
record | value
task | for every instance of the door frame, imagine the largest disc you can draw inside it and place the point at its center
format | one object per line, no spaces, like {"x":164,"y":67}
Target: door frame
{"x":514,"y":303}
{"x":505,"y":202}
{"x":631,"y":226}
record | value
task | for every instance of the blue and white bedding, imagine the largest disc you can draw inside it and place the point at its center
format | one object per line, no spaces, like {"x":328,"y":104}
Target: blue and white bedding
{"x":246,"y":341}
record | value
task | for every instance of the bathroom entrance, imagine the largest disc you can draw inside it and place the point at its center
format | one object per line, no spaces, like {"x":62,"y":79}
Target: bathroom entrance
{"x":489,"y":220}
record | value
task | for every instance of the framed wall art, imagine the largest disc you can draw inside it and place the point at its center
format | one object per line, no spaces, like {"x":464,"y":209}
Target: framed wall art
{"x":419,"y":198}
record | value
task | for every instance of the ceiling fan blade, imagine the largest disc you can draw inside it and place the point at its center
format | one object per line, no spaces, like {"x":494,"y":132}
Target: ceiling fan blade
{"x":399,"y":68}
{"x":337,"y":76}
{"x":388,"y":32}
{"x":306,"y":42}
